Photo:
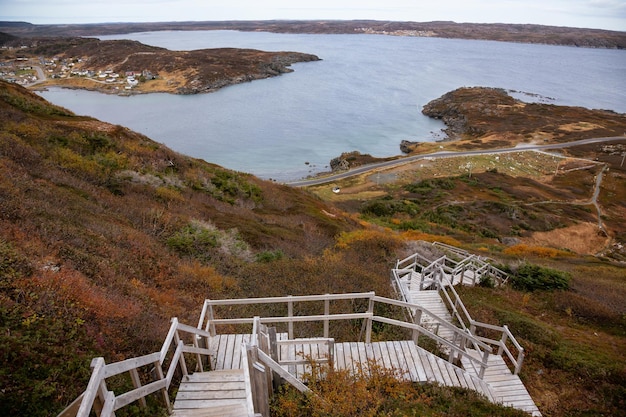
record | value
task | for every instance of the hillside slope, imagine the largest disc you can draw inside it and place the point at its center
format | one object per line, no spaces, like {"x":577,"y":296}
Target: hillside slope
{"x":105,"y":235}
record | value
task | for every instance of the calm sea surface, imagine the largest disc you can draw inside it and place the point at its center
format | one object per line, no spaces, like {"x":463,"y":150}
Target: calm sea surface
{"x":366,"y":94}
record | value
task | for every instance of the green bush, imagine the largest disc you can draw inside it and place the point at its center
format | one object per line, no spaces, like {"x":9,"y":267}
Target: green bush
{"x":430,"y":184}
{"x":531,"y":277}
{"x":270,"y":255}
{"x":193,"y":240}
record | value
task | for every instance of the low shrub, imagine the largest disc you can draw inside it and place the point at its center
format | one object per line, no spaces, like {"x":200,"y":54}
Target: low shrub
{"x":193,"y":240}
{"x":377,"y":391}
{"x":531,"y":277}
{"x":270,"y":255}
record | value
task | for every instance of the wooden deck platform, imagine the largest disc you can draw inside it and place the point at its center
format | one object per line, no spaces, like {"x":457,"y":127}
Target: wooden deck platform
{"x":412,"y":362}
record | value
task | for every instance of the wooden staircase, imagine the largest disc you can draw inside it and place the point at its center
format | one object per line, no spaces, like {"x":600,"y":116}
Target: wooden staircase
{"x":245,"y":366}
{"x":431,"y":300}
{"x":212,"y":394}
{"x":508,"y":389}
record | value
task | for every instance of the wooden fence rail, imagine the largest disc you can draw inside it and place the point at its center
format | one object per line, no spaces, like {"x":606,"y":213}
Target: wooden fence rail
{"x":98,"y":398}
{"x":457,"y":347}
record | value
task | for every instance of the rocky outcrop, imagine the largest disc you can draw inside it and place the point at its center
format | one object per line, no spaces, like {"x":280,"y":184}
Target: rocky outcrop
{"x":453,"y":108}
{"x":406,"y":146}
{"x":341,"y":162}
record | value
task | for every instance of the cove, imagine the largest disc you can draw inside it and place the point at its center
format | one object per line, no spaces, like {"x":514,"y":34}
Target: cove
{"x":366,"y":95}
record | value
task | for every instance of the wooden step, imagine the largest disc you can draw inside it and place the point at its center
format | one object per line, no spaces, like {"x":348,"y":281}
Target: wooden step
{"x":214,"y":393}
{"x":233,"y":410}
{"x":508,"y":389}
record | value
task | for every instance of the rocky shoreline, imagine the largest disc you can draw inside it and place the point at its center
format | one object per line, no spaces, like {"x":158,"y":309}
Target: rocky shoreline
{"x":484,"y":117}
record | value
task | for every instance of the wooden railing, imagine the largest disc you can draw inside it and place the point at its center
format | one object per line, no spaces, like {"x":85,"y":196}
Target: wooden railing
{"x":433,"y":276}
{"x":461,"y":339}
{"x":264,"y":367}
{"x":104,"y":402}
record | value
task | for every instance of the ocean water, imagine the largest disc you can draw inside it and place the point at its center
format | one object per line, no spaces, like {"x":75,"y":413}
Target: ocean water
{"x":365,"y":95}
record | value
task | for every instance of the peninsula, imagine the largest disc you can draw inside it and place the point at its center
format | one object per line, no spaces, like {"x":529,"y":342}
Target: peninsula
{"x":130,"y":67}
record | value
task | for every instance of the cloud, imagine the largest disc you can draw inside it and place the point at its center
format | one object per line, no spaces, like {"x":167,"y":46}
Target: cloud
{"x":582,"y":13}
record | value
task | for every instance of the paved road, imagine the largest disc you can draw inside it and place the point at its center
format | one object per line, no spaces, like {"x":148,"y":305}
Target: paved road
{"x":443,"y":154}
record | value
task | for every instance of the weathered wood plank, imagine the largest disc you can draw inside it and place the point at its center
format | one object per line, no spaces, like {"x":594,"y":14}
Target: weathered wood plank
{"x":428,"y":369}
{"x":186,"y":404}
{"x":419,"y":366}
{"x":219,"y":375}
{"x":411,"y":367}
{"x":392,"y":355}
{"x":230,"y":348}
{"x":212,"y":395}
{"x":340,"y":362}
{"x":362,"y":358}
{"x":211,"y":386}
{"x":221,"y":351}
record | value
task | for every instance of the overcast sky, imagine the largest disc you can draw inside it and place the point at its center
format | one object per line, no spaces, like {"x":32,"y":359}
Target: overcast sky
{"x":602,"y":14}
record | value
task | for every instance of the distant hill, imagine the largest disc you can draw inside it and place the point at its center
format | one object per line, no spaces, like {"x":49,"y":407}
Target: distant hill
{"x":526,"y":33}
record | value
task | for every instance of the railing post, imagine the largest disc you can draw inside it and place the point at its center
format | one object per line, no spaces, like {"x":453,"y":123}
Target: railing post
{"x":258,"y":382}
{"x":520,"y":360}
{"x":326,"y":313}
{"x":483,"y":366}
{"x":417,"y":319}
{"x":181,"y":360}
{"x":211,"y":323}
{"x":160,"y":376}
{"x":451,"y":356}
{"x":134,"y":376}
{"x":370,"y":310}
{"x":503,"y":340}
{"x":290,"y":314}
{"x":93,"y":388}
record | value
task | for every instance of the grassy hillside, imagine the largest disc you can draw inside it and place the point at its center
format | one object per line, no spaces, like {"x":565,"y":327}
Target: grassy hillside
{"x":106,"y":234}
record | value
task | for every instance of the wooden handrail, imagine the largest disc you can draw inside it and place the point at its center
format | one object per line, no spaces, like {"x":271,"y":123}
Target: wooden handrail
{"x":102,"y":371}
{"x":111,"y":402}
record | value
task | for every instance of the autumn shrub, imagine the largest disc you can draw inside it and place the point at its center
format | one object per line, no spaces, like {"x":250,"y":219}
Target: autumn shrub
{"x":168,"y":195}
{"x":417,"y":235}
{"x":538,"y":251}
{"x":13,"y":265}
{"x":374,"y":390}
{"x":196,"y":276}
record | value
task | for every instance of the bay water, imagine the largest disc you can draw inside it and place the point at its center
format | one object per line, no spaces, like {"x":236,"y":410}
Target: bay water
{"x":366,"y":94}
